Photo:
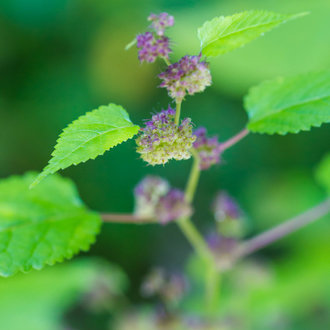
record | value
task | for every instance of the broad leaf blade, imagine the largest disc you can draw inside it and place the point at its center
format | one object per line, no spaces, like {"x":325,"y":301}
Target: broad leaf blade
{"x":323,"y":173}
{"x":90,"y":136}
{"x":225,"y":33}
{"x":42,"y":226}
{"x":289,"y":105}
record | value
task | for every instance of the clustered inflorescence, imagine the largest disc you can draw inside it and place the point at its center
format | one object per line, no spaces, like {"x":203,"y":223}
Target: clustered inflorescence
{"x":228,"y":215}
{"x":208,"y":149}
{"x":161,"y":22}
{"x":164,"y":137}
{"x":154,"y":44}
{"x":162,"y":140}
{"x":169,"y":286}
{"x":155,"y":199}
{"x":189,"y":75}
{"x":225,"y":207}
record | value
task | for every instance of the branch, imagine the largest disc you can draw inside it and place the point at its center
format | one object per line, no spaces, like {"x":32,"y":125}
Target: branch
{"x":236,"y":138}
{"x":125,"y":218}
{"x":260,"y":241}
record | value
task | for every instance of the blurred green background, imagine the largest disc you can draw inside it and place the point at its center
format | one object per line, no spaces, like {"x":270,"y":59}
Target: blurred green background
{"x":61,"y":58}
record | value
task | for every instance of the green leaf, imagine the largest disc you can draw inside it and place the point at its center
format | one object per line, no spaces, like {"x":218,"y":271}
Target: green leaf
{"x":42,"y":299}
{"x":42,"y":226}
{"x":323,"y":173}
{"x":289,"y":105}
{"x":90,"y":136}
{"x":225,"y":33}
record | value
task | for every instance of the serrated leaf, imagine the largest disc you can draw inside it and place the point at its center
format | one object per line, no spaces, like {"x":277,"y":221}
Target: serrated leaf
{"x":42,"y":226}
{"x":225,"y":33}
{"x":90,"y":136}
{"x":289,"y":105}
{"x":323,"y":173}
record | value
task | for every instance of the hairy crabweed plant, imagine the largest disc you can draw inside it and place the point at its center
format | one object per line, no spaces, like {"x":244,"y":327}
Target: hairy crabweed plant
{"x":49,"y":223}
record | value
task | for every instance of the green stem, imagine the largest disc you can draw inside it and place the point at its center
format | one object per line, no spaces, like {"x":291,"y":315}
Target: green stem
{"x":185,"y":224}
{"x":177,"y":113}
{"x":131,"y":44}
{"x":212,"y":288}
{"x":193,"y":178}
{"x":195,"y":239}
{"x":166,"y":60}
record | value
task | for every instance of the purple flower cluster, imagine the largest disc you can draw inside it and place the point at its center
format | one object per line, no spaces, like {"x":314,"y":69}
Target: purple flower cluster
{"x":172,"y":206}
{"x":223,"y":249}
{"x":151,"y":47}
{"x":225,"y":207}
{"x":189,"y":75}
{"x":147,"y":194}
{"x":154,"y":44}
{"x":161,"y":22}
{"x":208,"y":149}
{"x":228,"y":215}
{"x":169,"y":286}
{"x":154,"y":198}
{"x":162,"y":140}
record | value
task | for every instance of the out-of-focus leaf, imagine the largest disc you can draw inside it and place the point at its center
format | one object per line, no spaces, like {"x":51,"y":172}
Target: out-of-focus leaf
{"x":42,"y":226}
{"x":38,"y":300}
{"x":289,"y":105}
{"x":90,"y":136}
{"x":323,"y":173}
{"x":225,"y":33}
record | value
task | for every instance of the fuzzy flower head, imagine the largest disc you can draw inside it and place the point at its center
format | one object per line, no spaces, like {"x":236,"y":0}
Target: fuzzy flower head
{"x":155,"y":199}
{"x":151,"y":47}
{"x":225,"y":207}
{"x":222,"y":248}
{"x":228,"y":215}
{"x":172,"y":206}
{"x":169,"y":286}
{"x":208,"y":149}
{"x":161,"y":22}
{"x":147,"y":194}
{"x":188,"y":76}
{"x":162,"y":140}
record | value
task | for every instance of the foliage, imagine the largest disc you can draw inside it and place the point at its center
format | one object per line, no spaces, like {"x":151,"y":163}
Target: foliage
{"x":42,"y":226}
{"x":49,"y":223}
{"x":90,"y":136}
{"x":40,"y":299}
{"x":223,"y":34}
{"x":323,"y":173}
{"x":289,"y":105}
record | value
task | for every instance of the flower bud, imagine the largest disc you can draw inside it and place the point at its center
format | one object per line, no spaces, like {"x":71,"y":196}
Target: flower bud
{"x":147,"y":194}
{"x":228,"y":215}
{"x":161,"y":22}
{"x":162,"y":140}
{"x":154,"y":199}
{"x":208,"y":149}
{"x":172,"y":206}
{"x":189,"y":75}
{"x":223,"y":249}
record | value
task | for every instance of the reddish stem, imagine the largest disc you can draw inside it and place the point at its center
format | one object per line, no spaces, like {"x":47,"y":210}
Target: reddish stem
{"x":125,"y":218}
{"x":232,"y":141}
{"x":284,"y":229}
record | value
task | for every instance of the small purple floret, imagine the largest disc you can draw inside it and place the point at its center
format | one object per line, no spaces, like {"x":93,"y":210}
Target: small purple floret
{"x":225,"y":207}
{"x":208,"y":148}
{"x":151,"y":47}
{"x":172,"y":206}
{"x":189,"y":75}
